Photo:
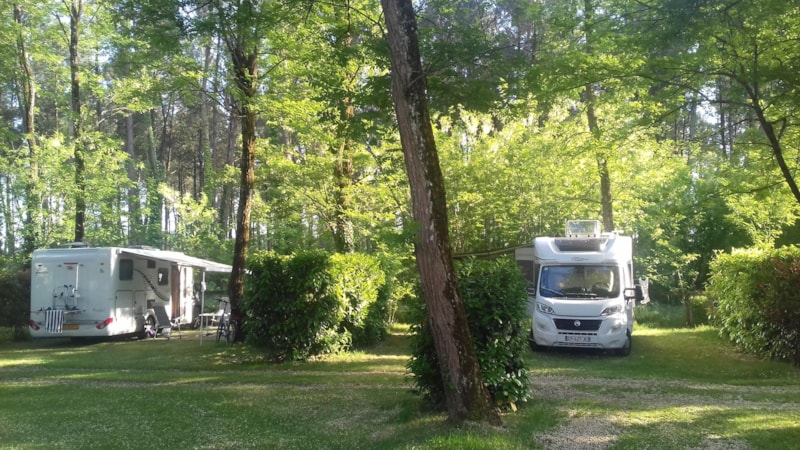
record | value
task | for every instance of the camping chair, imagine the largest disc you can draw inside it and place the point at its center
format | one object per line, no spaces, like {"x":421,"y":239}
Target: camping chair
{"x":165,"y":324}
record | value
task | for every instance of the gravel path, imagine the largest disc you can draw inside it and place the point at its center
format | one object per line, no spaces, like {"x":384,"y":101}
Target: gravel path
{"x":626,"y":399}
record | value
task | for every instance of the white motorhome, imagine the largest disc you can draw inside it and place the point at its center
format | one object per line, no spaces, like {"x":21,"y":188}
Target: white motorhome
{"x":111,"y":291}
{"x":582,"y":288}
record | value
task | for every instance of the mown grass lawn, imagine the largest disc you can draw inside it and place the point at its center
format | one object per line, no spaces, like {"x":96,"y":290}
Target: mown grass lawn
{"x":678,"y":389}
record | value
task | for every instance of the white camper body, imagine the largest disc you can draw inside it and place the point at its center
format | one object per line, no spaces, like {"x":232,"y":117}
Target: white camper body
{"x":583,"y":292}
{"x":110,"y":291}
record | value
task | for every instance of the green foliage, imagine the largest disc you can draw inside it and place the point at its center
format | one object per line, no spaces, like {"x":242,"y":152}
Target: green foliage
{"x":495,"y":298}
{"x":671,"y":315}
{"x":311,"y":303}
{"x":364,"y":292}
{"x":660,"y":315}
{"x":15,"y":296}
{"x":702,"y":309}
{"x":758,"y":302}
{"x":290,"y":305}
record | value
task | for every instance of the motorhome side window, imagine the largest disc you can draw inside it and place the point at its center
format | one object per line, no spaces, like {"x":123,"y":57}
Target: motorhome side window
{"x":163,"y":277}
{"x":125,"y":269}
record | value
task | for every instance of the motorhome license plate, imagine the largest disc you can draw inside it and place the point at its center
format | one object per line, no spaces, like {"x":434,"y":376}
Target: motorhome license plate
{"x":578,"y":339}
{"x":70,"y":326}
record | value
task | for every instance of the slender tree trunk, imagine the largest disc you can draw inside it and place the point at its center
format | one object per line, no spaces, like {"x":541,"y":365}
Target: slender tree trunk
{"x":465,"y":393}
{"x":343,"y":173}
{"x":134,"y":222}
{"x":245,"y":67}
{"x":155,"y":203}
{"x":226,"y":202}
{"x":76,"y":10}
{"x":606,"y":201}
{"x":343,"y":237}
{"x":8,"y":215}
{"x":204,"y":144}
{"x":32,"y":203}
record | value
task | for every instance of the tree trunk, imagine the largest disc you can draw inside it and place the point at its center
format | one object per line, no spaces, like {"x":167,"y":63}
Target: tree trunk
{"x":775,"y":144}
{"x":343,"y":237}
{"x":343,"y":173}
{"x":226,"y":200}
{"x":204,"y":133}
{"x":245,"y":67}
{"x":134,"y":221}
{"x":32,"y":220}
{"x":155,"y":203}
{"x":465,"y":393}
{"x":606,"y":201}
{"x":76,"y":10}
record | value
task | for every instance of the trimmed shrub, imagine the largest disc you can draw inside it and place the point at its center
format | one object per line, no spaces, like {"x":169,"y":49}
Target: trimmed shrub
{"x":364,"y":293}
{"x":758,"y":300}
{"x":312,"y":303}
{"x":290,"y":306}
{"x":495,"y":297}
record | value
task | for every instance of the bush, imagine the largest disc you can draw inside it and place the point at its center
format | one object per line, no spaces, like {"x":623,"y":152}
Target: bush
{"x":15,"y":297}
{"x":364,"y":292}
{"x":495,"y":298}
{"x":312,"y":303}
{"x":702,"y":309}
{"x":758,"y":300}
{"x":290,"y":306}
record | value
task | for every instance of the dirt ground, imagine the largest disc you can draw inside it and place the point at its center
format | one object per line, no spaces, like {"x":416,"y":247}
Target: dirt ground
{"x":627,"y":398}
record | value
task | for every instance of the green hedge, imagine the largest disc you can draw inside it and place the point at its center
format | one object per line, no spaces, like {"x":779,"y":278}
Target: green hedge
{"x":495,"y":297}
{"x":757,"y":293}
{"x":15,"y":297}
{"x":364,"y":291}
{"x":290,"y":306}
{"x":312,"y":303}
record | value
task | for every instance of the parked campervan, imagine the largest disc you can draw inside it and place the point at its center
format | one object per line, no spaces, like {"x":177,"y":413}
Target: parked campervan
{"x":111,"y":291}
{"x":582,"y":288}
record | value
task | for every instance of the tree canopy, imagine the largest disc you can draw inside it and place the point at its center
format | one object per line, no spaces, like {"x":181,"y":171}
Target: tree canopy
{"x":224,"y":128}
{"x":127,"y":123}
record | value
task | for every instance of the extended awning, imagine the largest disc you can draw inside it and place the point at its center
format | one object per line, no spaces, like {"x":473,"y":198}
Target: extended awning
{"x":179,"y":258}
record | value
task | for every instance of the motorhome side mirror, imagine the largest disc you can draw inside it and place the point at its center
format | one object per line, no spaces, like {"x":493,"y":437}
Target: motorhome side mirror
{"x":635,"y":293}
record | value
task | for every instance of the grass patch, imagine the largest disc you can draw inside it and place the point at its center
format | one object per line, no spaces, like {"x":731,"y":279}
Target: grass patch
{"x":678,"y":389}
{"x":697,"y":354}
{"x":661,"y":315}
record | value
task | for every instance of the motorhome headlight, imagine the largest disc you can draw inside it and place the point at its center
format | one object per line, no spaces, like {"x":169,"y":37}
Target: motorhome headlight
{"x":542,"y":308}
{"x":611,"y":310}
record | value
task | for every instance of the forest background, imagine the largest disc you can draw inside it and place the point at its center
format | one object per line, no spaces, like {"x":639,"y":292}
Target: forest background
{"x":126,"y":123}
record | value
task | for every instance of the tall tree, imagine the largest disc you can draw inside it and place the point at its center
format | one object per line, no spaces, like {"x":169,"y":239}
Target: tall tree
{"x":243,"y":26}
{"x":465,"y":393}
{"x":737,"y":55}
{"x":28,"y":104}
{"x":589,"y":92}
{"x":75,"y":8}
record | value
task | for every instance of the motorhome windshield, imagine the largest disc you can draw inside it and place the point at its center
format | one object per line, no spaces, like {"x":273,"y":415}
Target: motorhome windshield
{"x":580,"y":281}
